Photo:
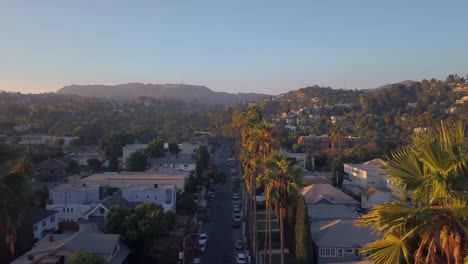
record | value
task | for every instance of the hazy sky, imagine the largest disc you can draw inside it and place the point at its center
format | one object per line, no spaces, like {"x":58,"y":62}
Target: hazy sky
{"x":258,"y":46}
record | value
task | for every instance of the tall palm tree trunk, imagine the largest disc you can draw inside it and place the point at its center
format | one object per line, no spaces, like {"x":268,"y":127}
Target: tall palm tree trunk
{"x":254,"y":229}
{"x":281,"y":216}
{"x":269,"y":237}
{"x":265,"y":238}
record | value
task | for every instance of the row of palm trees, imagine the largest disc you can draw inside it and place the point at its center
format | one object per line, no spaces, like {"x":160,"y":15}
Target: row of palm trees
{"x":264,"y":168}
{"x":433,"y":170}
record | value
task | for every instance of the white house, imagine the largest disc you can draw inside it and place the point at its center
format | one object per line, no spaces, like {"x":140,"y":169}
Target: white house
{"x":180,"y":163}
{"x":44,"y":221}
{"x":161,"y":195}
{"x":367,"y":174}
{"x":188,"y":148}
{"x":72,"y":201}
{"x":147,"y":178}
{"x":339,"y":240}
{"x":373,"y":197}
{"x":326,"y":194}
{"x":127,"y":150}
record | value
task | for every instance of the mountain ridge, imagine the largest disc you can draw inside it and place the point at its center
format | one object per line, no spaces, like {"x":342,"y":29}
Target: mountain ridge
{"x":130,"y":91}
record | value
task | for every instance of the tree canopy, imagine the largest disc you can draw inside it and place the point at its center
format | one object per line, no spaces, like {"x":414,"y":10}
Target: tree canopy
{"x":85,"y":257}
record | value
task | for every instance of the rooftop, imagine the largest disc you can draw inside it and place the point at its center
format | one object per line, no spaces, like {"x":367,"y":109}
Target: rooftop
{"x":90,"y":240}
{"x":325,"y":193}
{"x":371,"y":165}
{"x":135,"y":176}
{"x":39,"y":214}
{"x":340,"y":233}
{"x":329,"y":212}
{"x":135,"y":146}
{"x":73,"y":187}
{"x":179,"y":159}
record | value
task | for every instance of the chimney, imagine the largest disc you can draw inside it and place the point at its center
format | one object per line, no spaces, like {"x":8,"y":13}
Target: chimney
{"x":51,"y":238}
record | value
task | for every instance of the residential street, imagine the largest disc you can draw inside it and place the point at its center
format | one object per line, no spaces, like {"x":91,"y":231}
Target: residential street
{"x":221,"y":235}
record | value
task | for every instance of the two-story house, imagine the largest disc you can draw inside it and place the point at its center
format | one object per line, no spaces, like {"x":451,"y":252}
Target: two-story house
{"x":44,"y":221}
{"x":72,"y":201}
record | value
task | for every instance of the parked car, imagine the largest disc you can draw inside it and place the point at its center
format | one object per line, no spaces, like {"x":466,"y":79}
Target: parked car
{"x":235,"y":196}
{"x":237,"y":217}
{"x":236,"y":208}
{"x":202,"y":238}
{"x":196,"y":260}
{"x":202,"y":246}
{"x":236,"y":224}
{"x":239,"y":244}
{"x":240,"y":258}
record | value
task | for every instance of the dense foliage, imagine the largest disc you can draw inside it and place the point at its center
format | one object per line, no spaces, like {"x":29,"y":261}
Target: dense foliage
{"x":434,"y":171}
{"x":84,"y":257}
{"x":141,"y":226}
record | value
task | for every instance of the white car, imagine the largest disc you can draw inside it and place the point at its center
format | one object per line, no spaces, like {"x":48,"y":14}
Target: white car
{"x":235,"y":196}
{"x":202,"y":246}
{"x":202,"y":238}
{"x":196,"y":261}
{"x":240,"y":258}
{"x":237,"y":217}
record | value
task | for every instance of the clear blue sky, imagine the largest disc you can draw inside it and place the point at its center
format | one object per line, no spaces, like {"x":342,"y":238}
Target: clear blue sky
{"x":257,"y":46}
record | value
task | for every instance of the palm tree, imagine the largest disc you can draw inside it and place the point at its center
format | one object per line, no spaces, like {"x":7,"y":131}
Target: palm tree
{"x":434,"y":169}
{"x":285,"y":185}
{"x":14,"y":194}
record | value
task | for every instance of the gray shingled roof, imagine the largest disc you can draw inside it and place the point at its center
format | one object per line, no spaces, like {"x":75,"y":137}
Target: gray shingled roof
{"x":329,"y":212}
{"x":39,"y":214}
{"x":325,"y":193}
{"x":340,"y":233}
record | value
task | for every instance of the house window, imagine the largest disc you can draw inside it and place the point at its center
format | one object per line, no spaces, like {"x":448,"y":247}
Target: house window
{"x":168,"y":196}
{"x":356,"y":252}
{"x":64,"y":210}
{"x":52,"y":218}
{"x":136,"y":196}
{"x":68,"y":210}
{"x":349,"y":251}
{"x":327,"y":252}
{"x":339,"y":252}
{"x":71,"y":210}
{"x":43,"y":223}
{"x":155,"y":197}
{"x":101,"y":210}
{"x":147,"y":196}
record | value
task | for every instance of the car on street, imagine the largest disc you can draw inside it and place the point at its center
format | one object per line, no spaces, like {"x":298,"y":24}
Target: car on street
{"x":237,"y":217}
{"x":236,"y":224}
{"x":202,"y":246}
{"x":235,"y":196}
{"x":240,"y":258}
{"x":196,"y":260}
{"x":236,"y":208}
{"x":239,"y":244}
{"x":202,"y":238}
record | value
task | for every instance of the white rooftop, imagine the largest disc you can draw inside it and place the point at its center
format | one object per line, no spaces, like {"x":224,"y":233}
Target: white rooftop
{"x":371,"y":165}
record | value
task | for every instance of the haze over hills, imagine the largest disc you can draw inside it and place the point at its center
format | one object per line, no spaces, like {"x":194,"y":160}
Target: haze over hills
{"x":129,"y":91}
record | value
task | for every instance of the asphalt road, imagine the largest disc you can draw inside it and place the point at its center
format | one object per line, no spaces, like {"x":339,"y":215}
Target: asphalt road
{"x":221,"y":236}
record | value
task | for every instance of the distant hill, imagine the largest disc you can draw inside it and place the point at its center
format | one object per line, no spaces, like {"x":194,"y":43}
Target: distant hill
{"x":406,"y":83}
{"x":129,"y":91}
